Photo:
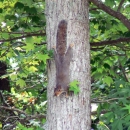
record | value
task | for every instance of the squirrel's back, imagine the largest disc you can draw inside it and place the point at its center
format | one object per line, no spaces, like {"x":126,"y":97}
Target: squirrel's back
{"x":61,"y":38}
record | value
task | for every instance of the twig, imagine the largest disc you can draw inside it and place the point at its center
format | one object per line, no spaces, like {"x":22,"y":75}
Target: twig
{"x":120,"y":5}
{"x":36,"y":116}
{"x":123,"y":70}
{"x":11,"y":117}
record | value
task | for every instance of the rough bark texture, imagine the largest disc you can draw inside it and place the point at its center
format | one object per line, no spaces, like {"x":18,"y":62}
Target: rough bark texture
{"x":72,"y":113}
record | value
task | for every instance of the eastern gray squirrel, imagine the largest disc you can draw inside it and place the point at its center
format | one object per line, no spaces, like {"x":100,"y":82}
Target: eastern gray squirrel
{"x":63,"y":56}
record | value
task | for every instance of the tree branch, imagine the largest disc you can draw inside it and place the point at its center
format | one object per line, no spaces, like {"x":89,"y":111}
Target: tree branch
{"x":102,"y":112}
{"x":107,"y":100}
{"x":28,"y":117}
{"x":13,"y":109}
{"x":120,"y":5}
{"x":102,"y":43}
{"x":111,"y":12}
{"x":24,"y":36}
{"x":103,"y":101}
{"x":110,"y":42}
{"x":123,"y":70}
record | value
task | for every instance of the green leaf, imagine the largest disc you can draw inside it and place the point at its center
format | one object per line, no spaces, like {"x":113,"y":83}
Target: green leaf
{"x":22,"y":127}
{"x":117,"y":124}
{"x":21,"y":83}
{"x":33,"y":10}
{"x":74,"y":87}
{"x":5,"y":35}
{"x":35,"y":19}
{"x":27,"y":2}
{"x":109,"y":116}
{"x":45,"y":57}
{"x":99,"y":109}
{"x":129,"y":128}
{"x":110,"y":3}
{"x":42,"y":57}
{"x":127,"y":107}
{"x":33,"y":63}
{"x":108,"y":80}
{"x":1,"y":10}
{"x":32,"y":69}
{"x":22,"y":75}
{"x":102,"y":126}
{"x":1,"y":125}
{"x":19,"y":5}
{"x":120,"y":127}
{"x":29,"y":46}
{"x":119,"y":82}
{"x":13,"y":76}
{"x":107,"y":66}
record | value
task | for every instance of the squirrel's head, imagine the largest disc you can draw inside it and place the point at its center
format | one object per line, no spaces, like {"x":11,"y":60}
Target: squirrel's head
{"x":57,"y":91}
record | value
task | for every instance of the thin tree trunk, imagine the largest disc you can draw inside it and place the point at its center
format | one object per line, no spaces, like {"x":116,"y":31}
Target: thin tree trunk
{"x":72,"y":113}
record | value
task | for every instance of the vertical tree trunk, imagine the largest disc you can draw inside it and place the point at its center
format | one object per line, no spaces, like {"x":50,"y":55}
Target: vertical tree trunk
{"x":71,"y":113}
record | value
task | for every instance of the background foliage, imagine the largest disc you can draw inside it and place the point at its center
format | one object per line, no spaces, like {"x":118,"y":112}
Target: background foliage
{"x":110,"y":67}
{"x":23,"y":49}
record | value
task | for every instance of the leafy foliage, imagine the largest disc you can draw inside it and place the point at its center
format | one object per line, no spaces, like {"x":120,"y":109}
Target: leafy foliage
{"x":23,"y":49}
{"x":74,"y":87}
{"x":110,"y":68}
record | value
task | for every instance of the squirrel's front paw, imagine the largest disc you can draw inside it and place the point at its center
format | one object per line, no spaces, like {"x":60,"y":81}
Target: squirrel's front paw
{"x":71,"y":45}
{"x":53,"y":47}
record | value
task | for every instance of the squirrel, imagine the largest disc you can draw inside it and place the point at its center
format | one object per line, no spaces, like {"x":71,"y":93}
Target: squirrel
{"x":63,"y":56}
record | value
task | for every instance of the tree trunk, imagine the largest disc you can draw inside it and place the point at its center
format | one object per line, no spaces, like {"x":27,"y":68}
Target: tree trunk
{"x":72,"y":113}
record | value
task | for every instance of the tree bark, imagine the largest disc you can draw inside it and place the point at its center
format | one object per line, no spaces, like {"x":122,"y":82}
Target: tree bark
{"x":72,"y":113}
